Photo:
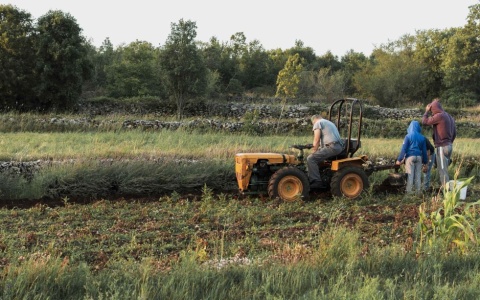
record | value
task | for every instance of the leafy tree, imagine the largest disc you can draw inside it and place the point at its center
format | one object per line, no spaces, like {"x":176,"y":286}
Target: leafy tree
{"x":212,"y":53}
{"x":310,"y":60}
{"x":461,"y":62}
{"x":231,"y":57}
{"x":318,"y":79}
{"x":221,"y":67}
{"x":134,"y":71}
{"x":228,"y":66}
{"x":183,"y":65}
{"x":278,"y":58}
{"x":255,"y":65}
{"x":103,"y":58}
{"x":391,"y":78}
{"x":307,"y":87}
{"x":235,"y":87}
{"x":62,"y":61}
{"x":91,"y":86}
{"x":323,"y":84}
{"x":430,"y":48}
{"x":330,"y":61}
{"x":212,"y":88}
{"x":352,"y":62}
{"x":330,"y":85}
{"x":289,"y":78}
{"x":17,"y":60}
{"x":238,"y":45}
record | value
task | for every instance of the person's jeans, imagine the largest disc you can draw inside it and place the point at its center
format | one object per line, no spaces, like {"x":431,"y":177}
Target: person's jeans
{"x":318,"y":156}
{"x":443,"y":160}
{"x":413,"y":167}
{"x":427,"y":175}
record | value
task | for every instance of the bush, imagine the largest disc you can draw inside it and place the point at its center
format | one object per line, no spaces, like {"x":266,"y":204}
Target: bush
{"x":459,"y":99}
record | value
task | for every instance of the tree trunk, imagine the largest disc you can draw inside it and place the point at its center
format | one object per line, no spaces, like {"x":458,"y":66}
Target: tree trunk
{"x":180,"y":106}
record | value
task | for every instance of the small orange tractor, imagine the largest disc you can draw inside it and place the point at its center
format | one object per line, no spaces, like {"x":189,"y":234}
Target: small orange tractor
{"x":285,"y":176}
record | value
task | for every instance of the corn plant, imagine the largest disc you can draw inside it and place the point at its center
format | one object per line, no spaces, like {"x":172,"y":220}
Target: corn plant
{"x":453,"y":222}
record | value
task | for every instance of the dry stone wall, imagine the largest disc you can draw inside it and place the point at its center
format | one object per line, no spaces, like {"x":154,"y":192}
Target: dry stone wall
{"x":237,"y":110}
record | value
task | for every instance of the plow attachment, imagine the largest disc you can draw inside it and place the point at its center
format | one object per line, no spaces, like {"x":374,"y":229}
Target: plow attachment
{"x":394,"y":179}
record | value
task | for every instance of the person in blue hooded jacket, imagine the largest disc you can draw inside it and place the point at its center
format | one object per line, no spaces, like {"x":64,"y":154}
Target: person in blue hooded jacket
{"x":414,"y":155}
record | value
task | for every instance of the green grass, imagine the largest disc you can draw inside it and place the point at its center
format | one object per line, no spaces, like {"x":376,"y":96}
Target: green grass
{"x":135,"y":144}
{"x":216,"y":247}
{"x":26,"y":146}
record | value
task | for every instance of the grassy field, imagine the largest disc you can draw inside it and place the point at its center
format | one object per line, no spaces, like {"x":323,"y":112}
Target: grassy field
{"x":219,"y":247}
{"x":143,"y":163}
{"x":210,"y":244}
{"x":25,"y":146}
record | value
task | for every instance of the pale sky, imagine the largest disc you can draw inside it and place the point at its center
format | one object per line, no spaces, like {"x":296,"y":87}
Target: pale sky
{"x":324,"y":25}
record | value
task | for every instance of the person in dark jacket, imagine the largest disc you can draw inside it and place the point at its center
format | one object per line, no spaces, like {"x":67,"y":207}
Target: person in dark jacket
{"x":414,"y":155}
{"x":427,"y":169}
{"x":444,"y":133}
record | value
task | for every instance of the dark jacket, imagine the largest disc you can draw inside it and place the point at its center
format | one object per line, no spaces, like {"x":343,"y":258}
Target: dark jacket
{"x":430,"y":147}
{"x":444,"y":131}
{"x":414,"y":143}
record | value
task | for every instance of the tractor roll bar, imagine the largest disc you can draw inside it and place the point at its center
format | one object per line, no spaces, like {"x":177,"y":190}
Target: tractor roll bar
{"x":353,"y":102}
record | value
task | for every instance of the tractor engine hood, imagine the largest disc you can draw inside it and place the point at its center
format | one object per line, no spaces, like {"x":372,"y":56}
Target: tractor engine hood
{"x":244,"y":164}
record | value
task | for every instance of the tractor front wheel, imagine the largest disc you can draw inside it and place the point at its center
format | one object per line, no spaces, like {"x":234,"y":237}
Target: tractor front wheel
{"x":289,"y":184}
{"x":349,"y":182}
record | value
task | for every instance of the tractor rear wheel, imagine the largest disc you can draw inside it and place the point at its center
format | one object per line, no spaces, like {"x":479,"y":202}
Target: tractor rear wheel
{"x":289,"y":184}
{"x":349,"y":182}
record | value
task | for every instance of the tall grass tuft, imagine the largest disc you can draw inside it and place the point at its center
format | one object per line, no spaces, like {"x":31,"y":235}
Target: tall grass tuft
{"x":133,"y":178}
{"x":102,"y":179}
{"x":42,"y":276}
{"x":19,"y":187}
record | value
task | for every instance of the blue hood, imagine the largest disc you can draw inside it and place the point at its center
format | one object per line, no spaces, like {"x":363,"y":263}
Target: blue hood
{"x":414,"y":143}
{"x":414,"y":127}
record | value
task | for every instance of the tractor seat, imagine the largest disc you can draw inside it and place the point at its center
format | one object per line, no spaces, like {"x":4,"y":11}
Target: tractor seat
{"x":344,"y":153}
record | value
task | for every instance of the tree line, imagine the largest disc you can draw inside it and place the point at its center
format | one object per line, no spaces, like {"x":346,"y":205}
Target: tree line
{"x":48,"y":65}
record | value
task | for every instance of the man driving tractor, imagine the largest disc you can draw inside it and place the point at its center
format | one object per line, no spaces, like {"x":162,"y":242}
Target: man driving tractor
{"x":326,"y":143}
